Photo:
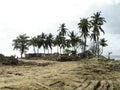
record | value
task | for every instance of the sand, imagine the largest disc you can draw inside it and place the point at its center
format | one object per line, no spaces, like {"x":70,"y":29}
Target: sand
{"x":90,"y":74}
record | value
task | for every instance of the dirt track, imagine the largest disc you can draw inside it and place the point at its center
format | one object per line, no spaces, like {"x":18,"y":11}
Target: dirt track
{"x":75,"y":75}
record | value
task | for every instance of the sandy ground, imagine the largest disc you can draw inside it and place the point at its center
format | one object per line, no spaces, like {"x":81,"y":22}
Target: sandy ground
{"x":74,"y":75}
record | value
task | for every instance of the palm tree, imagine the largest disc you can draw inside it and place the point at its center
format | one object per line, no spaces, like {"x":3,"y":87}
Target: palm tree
{"x":84,"y":27}
{"x":57,"y":42}
{"x":93,"y":45}
{"x":61,"y":36}
{"x":73,"y":39}
{"x":62,"y":43}
{"x":80,"y":44}
{"x":49,"y":41}
{"x":46,"y":44}
{"x":96,"y":23}
{"x":39,"y":42}
{"x":62,"y":30}
{"x":21,"y":43}
{"x":68,"y":43}
{"x":103,"y":44}
{"x":43,"y":40}
{"x":33,"y":42}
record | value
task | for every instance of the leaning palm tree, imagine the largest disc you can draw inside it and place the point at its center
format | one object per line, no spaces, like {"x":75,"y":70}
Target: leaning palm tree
{"x":33,"y":42}
{"x":84,"y":27}
{"x":96,"y":24}
{"x":103,"y":44}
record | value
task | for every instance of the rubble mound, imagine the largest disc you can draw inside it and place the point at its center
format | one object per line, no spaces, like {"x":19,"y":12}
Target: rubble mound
{"x":5,"y":60}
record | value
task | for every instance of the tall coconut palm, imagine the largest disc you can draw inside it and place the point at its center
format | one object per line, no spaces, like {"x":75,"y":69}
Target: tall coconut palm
{"x":39,"y":42}
{"x":62,"y":30}
{"x":103,"y":44}
{"x":57,"y":42}
{"x":43,"y":39}
{"x":61,"y":36}
{"x":93,"y":44}
{"x":96,"y":23}
{"x":46,"y":44}
{"x":49,"y":41}
{"x":84,"y":27}
{"x":21,"y":43}
{"x":62,"y":43}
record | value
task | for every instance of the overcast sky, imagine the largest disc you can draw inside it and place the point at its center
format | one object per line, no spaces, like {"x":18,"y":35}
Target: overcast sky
{"x":35,"y":16}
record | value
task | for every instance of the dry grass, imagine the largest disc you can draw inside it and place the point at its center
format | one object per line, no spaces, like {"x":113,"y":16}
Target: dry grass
{"x":75,"y":75}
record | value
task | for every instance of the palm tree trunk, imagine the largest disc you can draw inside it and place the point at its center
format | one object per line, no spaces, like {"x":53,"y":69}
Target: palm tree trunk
{"x":74,"y":48}
{"x":21,"y":54}
{"x":60,"y":50}
{"x":51,"y":50}
{"x":101,"y":51}
{"x":98,"y":48}
{"x":48,"y":50}
{"x":38,"y":50}
{"x":57,"y":49}
{"x":34,"y":49}
{"x":44,"y":51}
{"x":85,"y":45}
{"x":95,"y":45}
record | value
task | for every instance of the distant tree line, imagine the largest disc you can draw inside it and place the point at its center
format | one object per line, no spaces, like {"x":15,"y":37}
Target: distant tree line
{"x":65,"y":40}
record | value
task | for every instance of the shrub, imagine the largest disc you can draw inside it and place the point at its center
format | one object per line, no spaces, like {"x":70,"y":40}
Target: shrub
{"x":86,"y":54}
{"x":64,"y":58}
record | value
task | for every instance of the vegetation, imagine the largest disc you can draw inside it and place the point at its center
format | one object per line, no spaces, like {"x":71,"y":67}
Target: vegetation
{"x":103,"y":44}
{"x":33,"y":42}
{"x":68,"y":41}
{"x":96,"y":23}
{"x":49,"y":42}
{"x":74,"y":40}
{"x":21,"y":43}
{"x":62,"y":39}
{"x":84,"y":27}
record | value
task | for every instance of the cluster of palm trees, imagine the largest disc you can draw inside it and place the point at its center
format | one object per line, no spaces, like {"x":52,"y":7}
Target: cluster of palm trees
{"x":67,"y":40}
{"x":43,"y":40}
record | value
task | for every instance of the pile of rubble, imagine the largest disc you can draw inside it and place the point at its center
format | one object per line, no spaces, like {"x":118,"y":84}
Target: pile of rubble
{"x":4,"y":60}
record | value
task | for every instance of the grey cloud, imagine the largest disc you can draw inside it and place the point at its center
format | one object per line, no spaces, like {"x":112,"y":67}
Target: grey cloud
{"x":112,"y":15}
